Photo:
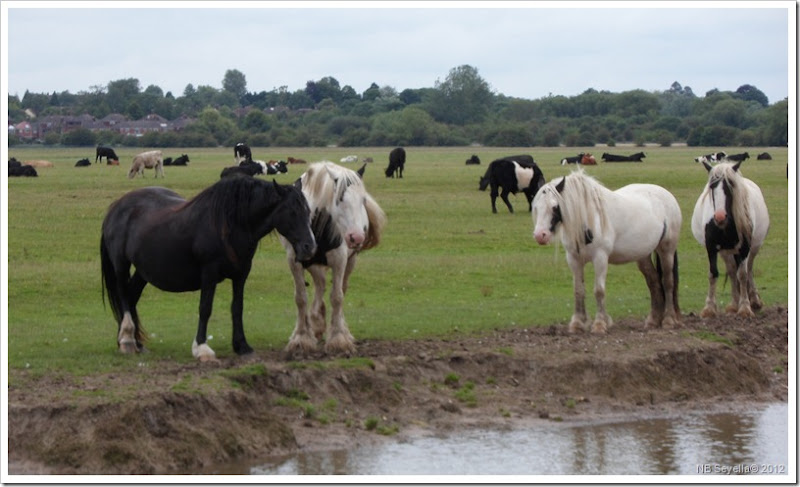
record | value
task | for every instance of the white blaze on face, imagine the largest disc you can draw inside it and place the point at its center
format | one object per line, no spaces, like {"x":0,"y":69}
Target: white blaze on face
{"x":524,"y":175}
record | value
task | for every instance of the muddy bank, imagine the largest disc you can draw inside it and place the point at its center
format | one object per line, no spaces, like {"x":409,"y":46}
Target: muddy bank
{"x":187,"y":418}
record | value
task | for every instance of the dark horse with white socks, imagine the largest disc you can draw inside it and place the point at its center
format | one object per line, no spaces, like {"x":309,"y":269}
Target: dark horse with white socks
{"x":179,"y":245}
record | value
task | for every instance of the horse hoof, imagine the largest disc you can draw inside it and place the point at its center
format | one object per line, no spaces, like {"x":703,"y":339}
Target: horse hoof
{"x":708,"y":312}
{"x":746,"y":313}
{"x":128,"y":346}
{"x":599,"y":328}
{"x":203,"y":352}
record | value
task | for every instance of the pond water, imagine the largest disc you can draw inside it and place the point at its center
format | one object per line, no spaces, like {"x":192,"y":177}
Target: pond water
{"x":693,"y":444}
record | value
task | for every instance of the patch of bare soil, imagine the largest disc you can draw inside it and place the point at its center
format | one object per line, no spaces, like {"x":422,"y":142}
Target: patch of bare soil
{"x":178,"y":418}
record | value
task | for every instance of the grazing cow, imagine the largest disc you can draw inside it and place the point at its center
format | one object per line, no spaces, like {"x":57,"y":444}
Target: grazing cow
{"x":83,"y":163}
{"x":106,"y":152}
{"x":147,"y":160}
{"x":241,"y":152}
{"x":397,"y":160}
{"x":711,"y":158}
{"x":22,"y":170}
{"x":474,"y":160}
{"x":615,"y":158}
{"x":167,"y":161}
{"x":572,"y":160}
{"x":181,"y":161}
{"x":764,"y":156}
{"x":349,"y":159}
{"x":292,"y":160}
{"x":588,"y":160}
{"x":737,"y":157}
{"x":513,"y":174}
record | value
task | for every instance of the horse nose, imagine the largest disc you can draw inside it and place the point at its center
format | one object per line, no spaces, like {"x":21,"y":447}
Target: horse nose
{"x":719,"y":216}
{"x":542,"y":237}
{"x":355,"y":239}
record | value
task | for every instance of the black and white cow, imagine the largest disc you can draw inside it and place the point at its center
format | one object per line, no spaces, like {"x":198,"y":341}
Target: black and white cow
{"x":277,"y":167}
{"x":572,"y":160}
{"x":241,"y":152}
{"x":615,"y":158}
{"x":738,"y":157}
{"x":512,"y":174}
{"x":711,"y":158}
{"x":397,"y":160}
{"x":106,"y":152}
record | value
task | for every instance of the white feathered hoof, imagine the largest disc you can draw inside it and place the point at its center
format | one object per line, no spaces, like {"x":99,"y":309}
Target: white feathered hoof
{"x":127,"y":346}
{"x":203,"y":352}
{"x":340,"y":344}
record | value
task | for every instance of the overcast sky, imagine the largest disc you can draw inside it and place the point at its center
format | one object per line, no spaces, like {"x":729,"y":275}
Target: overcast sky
{"x":521,"y":49}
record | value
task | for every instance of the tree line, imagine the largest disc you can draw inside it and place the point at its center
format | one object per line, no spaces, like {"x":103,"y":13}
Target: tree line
{"x":460,"y":110}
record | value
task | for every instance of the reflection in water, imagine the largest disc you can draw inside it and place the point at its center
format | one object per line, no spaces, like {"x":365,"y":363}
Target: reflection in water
{"x":694,"y":444}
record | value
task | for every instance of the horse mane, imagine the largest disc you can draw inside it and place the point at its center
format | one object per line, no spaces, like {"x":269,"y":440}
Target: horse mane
{"x":740,"y":196}
{"x":325,"y":183}
{"x":582,"y":205}
{"x":228,"y":201}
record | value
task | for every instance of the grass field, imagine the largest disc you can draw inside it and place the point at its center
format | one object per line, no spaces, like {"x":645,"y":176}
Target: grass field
{"x":446,"y":264}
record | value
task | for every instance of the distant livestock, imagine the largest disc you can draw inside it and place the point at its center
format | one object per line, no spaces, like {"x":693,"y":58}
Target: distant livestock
{"x":366,"y":159}
{"x":397,"y":161}
{"x":513,"y":174}
{"x":738,"y":157}
{"x":38,"y":163}
{"x":17,"y":171}
{"x":241,"y":152}
{"x":572,"y":160}
{"x":714,"y":157}
{"x":178,"y":161}
{"x":277,"y":167}
{"x":764,"y":156}
{"x":474,"y":160}
{"x":106,"y":152}
{"x":615,"y":158}
{"x":292,"y":160}
{"x":588,"y":160}
{"x":147,"y":160}
{"x":349,"y":159}
{"x":83,"y":163}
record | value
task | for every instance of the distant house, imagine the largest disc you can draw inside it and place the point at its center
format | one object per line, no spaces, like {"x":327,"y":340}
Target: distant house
{"x":24,"y":130}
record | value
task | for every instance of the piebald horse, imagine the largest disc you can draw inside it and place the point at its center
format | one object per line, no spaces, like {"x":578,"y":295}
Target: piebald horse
{"x":730,"y":218}
{"x":346,"y":220}
{"x":601,"y":226}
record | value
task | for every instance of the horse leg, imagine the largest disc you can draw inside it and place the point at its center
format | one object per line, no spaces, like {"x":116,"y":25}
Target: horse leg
{"x":755,"y":300}
{"x":710,"y":308}
{"x":602,"y":322}
{"x":200,"y":349}
{"x":669,"y":284}
{"x":302,"y":340}
{"x":339,"y":338}
{"x":126,"y":335}
{"x":240,"y":345}
{"x":578,"y":320}
{"x":135,"y":287}
{"x":733,"y":268}
{"x":742,"y":279}
{"x":316,"y":317}
{"x":656,"y":292}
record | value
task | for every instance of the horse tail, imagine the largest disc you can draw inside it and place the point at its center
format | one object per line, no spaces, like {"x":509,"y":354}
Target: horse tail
{"x":109,"y":281}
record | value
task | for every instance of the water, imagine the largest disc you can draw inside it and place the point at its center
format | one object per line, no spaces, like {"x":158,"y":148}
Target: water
{"x":694,"y":444}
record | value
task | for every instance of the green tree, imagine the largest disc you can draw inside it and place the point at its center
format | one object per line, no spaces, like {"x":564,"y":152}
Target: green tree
{"x":462,"y":98}
{"x":235,"y":83}
{"x":80,"y":137}
{"x":120,"y":93}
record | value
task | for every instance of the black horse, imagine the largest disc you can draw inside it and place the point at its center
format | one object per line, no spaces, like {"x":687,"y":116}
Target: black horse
{"x":179,"y":245}
{"x":106,"y":152}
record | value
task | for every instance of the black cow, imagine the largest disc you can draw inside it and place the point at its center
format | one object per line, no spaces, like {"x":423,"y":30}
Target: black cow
{"x":615,"y":158}
{"x":246,"y":168}
{"x":473,"y":160}
{"x":241,"y":152}
{"x":15,"y":171}
{"x":764,"y":156}
{"x":180,"y":161}
{"x":738,"y":157}
{"x":167,"y":161}
{"x":83,"y":163}
{"x":397,"y":160}
{"x":513,"y":174}
{"x":13,"y":162}
{"x":106,"y":152}
{"x":572,"y":160}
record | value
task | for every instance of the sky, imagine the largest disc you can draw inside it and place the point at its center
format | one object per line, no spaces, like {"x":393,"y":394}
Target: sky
{"x":527,"y":50}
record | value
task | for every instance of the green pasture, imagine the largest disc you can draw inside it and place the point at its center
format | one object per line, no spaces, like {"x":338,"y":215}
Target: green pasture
{"x":446,"y":264}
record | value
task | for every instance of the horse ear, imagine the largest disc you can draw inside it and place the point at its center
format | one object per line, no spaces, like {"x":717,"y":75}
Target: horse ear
{"x":360,"y":172}
{"x":736,"y":166}
{"x":707,"y":166}
{"x":560,"y":186}
{"x":278,"y":188}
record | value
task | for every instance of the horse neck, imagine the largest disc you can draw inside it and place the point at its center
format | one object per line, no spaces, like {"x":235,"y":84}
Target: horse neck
{"x":583,"y":203}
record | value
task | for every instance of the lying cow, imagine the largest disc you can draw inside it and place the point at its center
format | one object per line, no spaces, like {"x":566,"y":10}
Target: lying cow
{"x":738,"y":157}
{"x":83,"y":163}
{"x":572,"y":160}
{"x":22,"y":170}
{"x":473,"y":160}
{"x":616,"y":158}
{"x":513,"y":174}
{"x":147,"y":160}
{"x":764,"y":156}
{"x":712,"y":158}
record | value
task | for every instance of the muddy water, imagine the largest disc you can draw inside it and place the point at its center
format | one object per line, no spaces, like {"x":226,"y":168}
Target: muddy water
{"x":694,"y":444}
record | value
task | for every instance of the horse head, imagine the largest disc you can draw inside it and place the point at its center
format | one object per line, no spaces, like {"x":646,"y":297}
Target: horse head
{"x":547,"y":211}
{"x":293,"y":220}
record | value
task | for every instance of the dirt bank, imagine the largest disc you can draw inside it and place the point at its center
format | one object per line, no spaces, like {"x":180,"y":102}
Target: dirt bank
{"x":177,"y":418}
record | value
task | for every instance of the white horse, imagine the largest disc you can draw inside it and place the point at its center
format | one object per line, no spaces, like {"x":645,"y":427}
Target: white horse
{"x":601,"y":226}
{"x":731,"y":218}
{"x":346,"y":221}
